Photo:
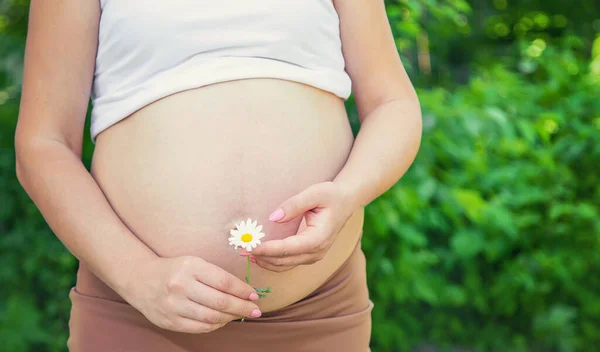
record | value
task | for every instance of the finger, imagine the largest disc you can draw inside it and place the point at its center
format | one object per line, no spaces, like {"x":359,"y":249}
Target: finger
{"x":307,"y":241}
{"x":224,"y":281}
{"x":297,"y":205}
{"x":191,"y":326}
{"x":274,"y":268}
{"x":219,"y":301}
{"x":198,"y":312}
{"x":303,"y":259}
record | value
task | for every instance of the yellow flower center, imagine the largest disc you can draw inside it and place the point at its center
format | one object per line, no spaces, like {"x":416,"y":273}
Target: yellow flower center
{"x":246,"y":237}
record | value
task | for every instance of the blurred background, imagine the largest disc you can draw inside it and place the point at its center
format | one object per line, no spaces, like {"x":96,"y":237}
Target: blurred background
{"x":491,"y":241}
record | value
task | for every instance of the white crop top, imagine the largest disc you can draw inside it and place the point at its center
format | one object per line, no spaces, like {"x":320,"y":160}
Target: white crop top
{"x":149,"y":49}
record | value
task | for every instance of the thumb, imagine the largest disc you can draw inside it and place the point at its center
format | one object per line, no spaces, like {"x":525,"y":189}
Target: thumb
{"x":297,"y":205}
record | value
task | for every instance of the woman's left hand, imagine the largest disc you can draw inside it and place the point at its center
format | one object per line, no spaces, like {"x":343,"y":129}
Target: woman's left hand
{"x":326,"y":207}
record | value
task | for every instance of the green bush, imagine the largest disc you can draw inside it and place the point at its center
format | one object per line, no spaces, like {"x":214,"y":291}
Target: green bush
{"x":492,"y":240}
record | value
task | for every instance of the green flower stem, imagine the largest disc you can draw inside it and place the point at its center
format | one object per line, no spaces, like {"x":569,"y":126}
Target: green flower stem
{"x":248,"y":270}
{"x":247,"y":275}
{"x":262,"y":292}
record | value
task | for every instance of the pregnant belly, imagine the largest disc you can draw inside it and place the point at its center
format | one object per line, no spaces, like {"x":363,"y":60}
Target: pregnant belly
{"x":183,"y":170}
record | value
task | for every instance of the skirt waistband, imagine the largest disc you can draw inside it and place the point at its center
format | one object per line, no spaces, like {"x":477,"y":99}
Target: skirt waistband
{"x":334,"y":317}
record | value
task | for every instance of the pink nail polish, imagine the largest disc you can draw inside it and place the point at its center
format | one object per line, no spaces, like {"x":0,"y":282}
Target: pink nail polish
{"x":252,"y":260}
{"x":256,"y":313}
{"x":277,"y":215}
{"x":244,"y":254}
{"x":253,"y":296}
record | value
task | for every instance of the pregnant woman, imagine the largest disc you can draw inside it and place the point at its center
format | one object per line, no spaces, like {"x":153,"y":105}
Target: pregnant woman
{"x":206,"y":114}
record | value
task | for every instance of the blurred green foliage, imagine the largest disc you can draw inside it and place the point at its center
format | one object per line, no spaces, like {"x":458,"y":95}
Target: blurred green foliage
{"x":491,"y":241}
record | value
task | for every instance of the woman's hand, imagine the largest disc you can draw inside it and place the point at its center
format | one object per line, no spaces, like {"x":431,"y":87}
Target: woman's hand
{"x":188,"y":294}
{"x":326,"y":207}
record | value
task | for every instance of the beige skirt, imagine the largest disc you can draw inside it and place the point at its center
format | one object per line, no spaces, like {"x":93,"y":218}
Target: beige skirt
{"x":335,"y":317}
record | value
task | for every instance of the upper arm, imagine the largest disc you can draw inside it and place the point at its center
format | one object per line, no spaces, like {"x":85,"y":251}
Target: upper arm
{"x":60,"y":51}
{"x":372,"y":60}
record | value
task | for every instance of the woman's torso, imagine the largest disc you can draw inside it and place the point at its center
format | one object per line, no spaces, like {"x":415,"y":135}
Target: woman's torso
{"x":183,"y":170}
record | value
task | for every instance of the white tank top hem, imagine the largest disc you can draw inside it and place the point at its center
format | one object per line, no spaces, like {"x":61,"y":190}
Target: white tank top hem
{"x":113,"y":108}
{"x":132,"y":72}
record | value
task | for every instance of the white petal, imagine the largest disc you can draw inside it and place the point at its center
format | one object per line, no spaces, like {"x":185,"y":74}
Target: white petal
{"x":259,"y":228}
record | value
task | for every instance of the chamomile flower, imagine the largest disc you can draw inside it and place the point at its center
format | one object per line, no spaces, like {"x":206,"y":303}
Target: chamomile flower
{"x":246,"y":235}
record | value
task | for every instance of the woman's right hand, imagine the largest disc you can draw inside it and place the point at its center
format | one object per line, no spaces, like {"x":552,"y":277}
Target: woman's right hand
{"x":188,"y":294}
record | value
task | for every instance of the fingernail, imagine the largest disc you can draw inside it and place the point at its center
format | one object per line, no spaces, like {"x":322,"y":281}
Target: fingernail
{"x":245,"y":254}
{"x":253,"y":296}
{"x":255,"y":313}
{"x":252,"y":260}
{"x":277,"y":215}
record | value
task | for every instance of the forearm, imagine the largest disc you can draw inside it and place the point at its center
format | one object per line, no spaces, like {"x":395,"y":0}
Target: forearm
{"x":78,"y":212}
{"x":384,"y":149}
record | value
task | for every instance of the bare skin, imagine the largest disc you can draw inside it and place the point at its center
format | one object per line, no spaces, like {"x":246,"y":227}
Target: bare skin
{"x":183,"y":170}
{"x":168,"y":182}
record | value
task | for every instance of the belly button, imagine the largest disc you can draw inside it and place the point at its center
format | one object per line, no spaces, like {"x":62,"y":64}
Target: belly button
{"x":233,"y":223}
